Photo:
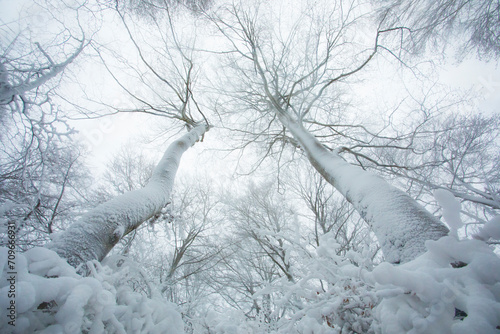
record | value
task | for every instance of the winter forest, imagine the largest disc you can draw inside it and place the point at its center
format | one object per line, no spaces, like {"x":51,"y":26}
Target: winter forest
{"x":251,"y":166}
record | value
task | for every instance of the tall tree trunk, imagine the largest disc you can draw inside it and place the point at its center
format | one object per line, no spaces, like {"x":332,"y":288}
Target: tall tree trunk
{"x":98,"y":231}
{"x":401,"y":224}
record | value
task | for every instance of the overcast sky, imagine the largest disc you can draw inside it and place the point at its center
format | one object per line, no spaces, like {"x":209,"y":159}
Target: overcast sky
{"x":105,"y":136}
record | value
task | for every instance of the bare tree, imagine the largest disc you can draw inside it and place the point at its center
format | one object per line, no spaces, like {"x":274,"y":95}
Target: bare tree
{"x":473,"y":24}
{"x":128,"y":170}
{"x":175,"y":246}
{"x":290,"y":84}
{"x":330,"y":212}
{"x":43,"y":195}
{"x":155,"y":8}
{"x":243,"y":271}
{"x":25,"y":67}
{"x":459,"y":154}
{"x":40,"y":169}
{"x":193,"y":215}
{"x":163,"y":80}
{"x":96,"y":233}
{"x":265,"y":243}
{"x":260,"y":217}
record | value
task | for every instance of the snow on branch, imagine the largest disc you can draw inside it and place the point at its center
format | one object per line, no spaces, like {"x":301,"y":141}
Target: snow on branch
{"x":51,"y":297}
{"x":98,"y":231}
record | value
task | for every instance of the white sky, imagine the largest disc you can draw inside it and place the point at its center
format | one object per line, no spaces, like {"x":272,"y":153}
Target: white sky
{"x":483,"y":78}
{"x":105,"y":136}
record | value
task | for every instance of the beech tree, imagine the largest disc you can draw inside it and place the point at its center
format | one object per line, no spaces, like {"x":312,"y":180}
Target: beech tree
{"x":174,"y":247}
{"x":458,"y":154}
{"x":474,"y":25}
{"x":96,"y":233}
{"x":263,"y":232}
{"x":329,"y":212}
{"x":40,"y":169}
{"x":293,"y":89}
{"x":43,"y":193}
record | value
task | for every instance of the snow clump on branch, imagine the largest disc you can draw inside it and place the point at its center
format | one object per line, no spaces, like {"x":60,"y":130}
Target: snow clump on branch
{"x":52,"y":298}
{"x":453,"y":288}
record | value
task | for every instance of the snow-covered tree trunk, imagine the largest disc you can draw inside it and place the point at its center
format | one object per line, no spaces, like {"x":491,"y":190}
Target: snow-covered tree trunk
{"x":98,"y":231}
{"x":401,"y":224}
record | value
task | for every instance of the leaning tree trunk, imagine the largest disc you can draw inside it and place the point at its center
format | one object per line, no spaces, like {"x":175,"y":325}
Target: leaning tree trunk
{"x":98,"y":231}
{"x":400,"y":224}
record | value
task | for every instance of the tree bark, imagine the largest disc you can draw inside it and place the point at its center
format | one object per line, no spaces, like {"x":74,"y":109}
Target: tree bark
{"x":98,"y":231}
{"x":400,"y":224}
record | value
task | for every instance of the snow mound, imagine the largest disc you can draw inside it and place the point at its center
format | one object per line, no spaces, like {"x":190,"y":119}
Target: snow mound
{"x":453,"y":288}
{"x":52,"y":298}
